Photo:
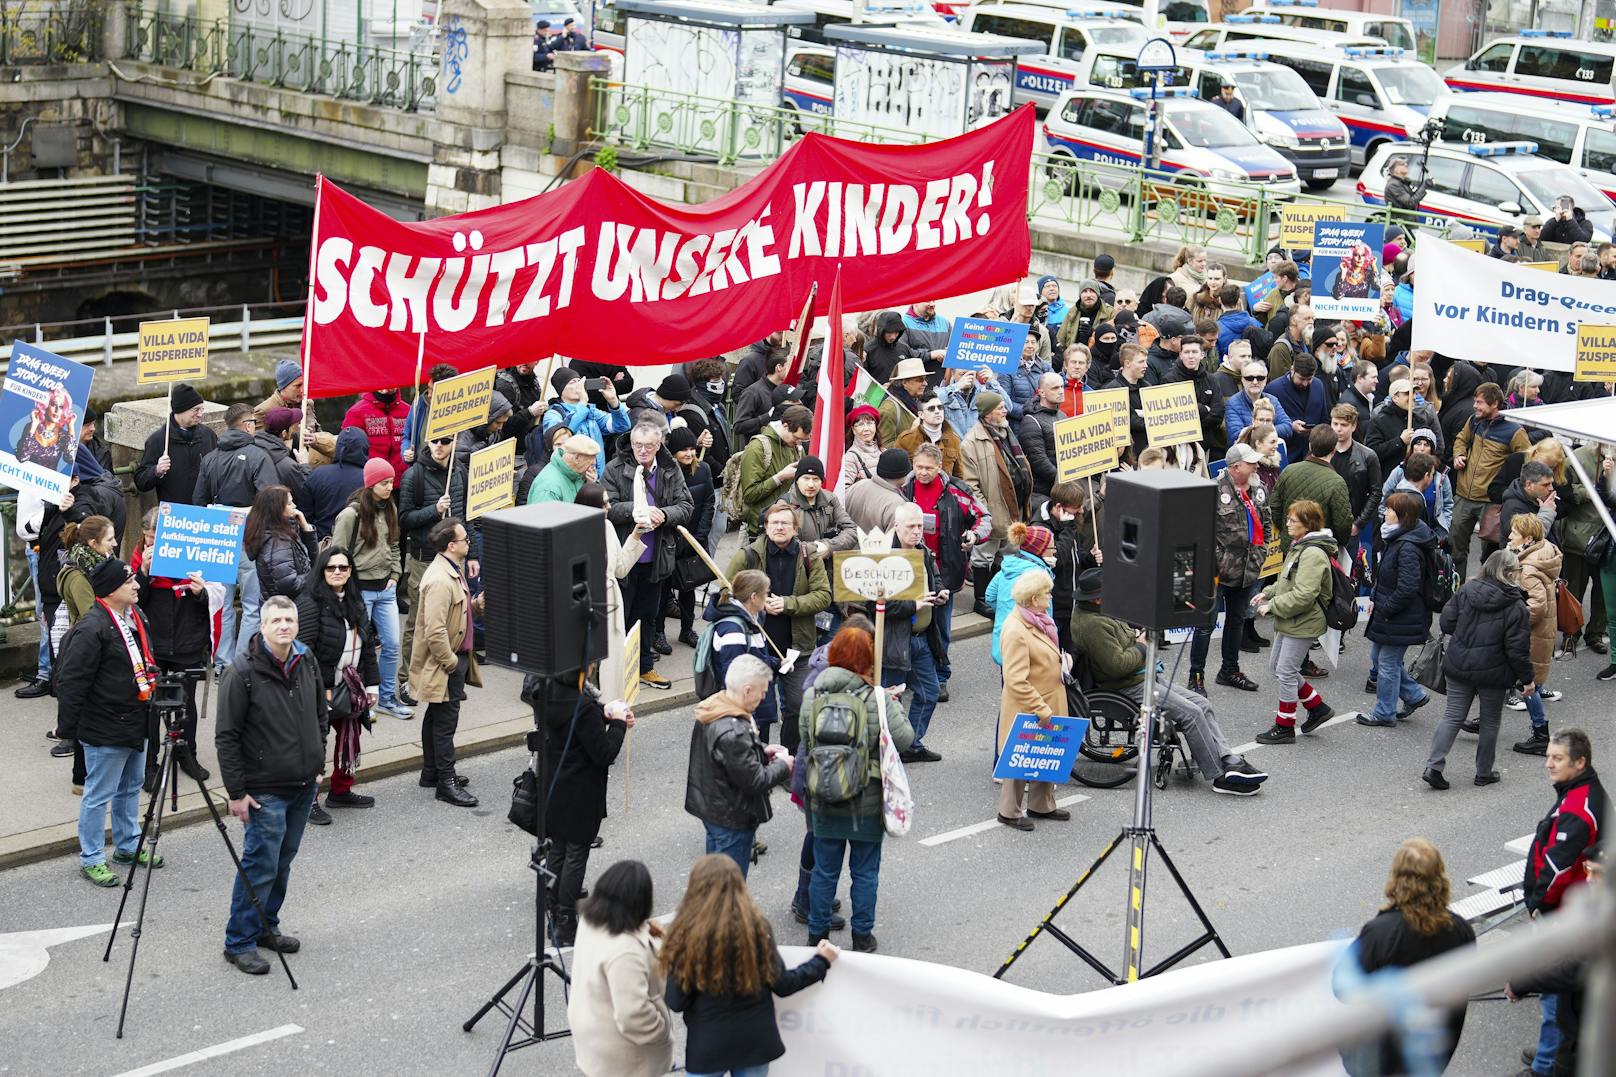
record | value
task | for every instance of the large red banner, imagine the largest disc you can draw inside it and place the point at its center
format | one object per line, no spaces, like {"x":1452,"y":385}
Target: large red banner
{"x":598,"y":271}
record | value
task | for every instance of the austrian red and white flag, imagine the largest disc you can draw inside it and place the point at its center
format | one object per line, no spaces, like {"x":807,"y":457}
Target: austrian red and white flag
{"x":829,"y":406}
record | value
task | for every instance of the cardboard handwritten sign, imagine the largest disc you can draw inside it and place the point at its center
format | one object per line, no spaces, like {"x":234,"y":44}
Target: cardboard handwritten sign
{"x":892,"y":575}
{"x":1084,"y":446}
{"x":492,"y":482}
{"x":1172,"y":414}
{"x":1114,"y":401}
{"x":1032,"y":753}
{"x":1596,"y":353}
{"x":173,"y":350}
{"x":460,"y":403}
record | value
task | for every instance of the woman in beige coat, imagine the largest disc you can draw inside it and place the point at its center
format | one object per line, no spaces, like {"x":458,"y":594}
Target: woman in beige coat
{"x":621,"y":556}
{"x":621,"y":1027}
{"x":1032,"y":685}
{"x":1540,"y":568}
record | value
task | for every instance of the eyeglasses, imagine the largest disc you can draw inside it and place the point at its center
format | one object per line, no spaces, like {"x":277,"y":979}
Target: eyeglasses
{"x":339,"y":568}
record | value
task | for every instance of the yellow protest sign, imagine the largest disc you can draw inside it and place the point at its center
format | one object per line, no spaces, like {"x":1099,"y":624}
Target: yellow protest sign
{"x":1172,"y":414}
{"x":1114,"y":401}
{"x":631,"y":665}
{"x":492,"y":482}
{"x":1596,"y":353}
{"x":1296,"y":223}
{"x":1084,"y":446}
{"x":460,"y":403}
{"x":1273,"y":558}
{"x":1547,"y":267}
{"x":1477,"y":245}
{"x":173,"y":350}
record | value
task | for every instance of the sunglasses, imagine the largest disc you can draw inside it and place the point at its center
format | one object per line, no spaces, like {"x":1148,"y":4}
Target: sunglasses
{"x":1254,"y":377}
{"x":339,"y":568}
{"x":932,"y":407}
{"x":442,"y":441}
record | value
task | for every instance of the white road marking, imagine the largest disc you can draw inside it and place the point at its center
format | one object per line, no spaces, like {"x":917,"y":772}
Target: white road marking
{"x":1252,"y":745}
{"x":218,"y":1049}
{"x":977,"y":828}
{"x":24,"y":954}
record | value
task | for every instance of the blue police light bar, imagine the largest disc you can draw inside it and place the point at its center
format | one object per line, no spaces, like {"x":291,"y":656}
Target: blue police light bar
{"x":1291,"y":3}
{"x":1603,"y":112}
{"x":1143,"y":92}
{"x":1383,"y":51}
{"x":1089,"y":13}
{"x":1500,"y":149}
{"x":1546,"y":33}
{"x":1236,"y":54}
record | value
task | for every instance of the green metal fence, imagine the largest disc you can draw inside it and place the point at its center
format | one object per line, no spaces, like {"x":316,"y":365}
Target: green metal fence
{"x":37,"y":33}
{"x":341,"y":69}
{"x":1236,"y":220}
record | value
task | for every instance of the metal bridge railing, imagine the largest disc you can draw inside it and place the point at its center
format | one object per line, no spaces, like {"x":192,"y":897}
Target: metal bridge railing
{"x":42,"y":33}
{"x":106,"y":340}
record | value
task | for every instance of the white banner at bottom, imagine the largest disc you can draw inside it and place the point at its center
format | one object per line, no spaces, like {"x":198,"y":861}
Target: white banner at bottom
{"x":877,"y":1016}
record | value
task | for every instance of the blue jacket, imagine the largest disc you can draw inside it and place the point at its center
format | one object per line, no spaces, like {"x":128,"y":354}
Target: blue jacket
{"x":414,"y":420}
{"x":1023,"y":386}
{"x":998,"y":592}
{"x":588,"y":420}
{"x":1237,"y":416}
{"x":330,"y":485}
{"x":1400,"y":618}
{"x":1438,"y":499}
{"x":1403,"y":300}
{"x":1312,"y":409}
{"x":960,"y":411}
{"x":738,"y":635}
{"x":1231,"y":326}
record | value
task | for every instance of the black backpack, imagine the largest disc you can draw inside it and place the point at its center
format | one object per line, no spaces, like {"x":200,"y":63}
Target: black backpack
{"x":1341,"y":608}
{"x":1439,"y":578}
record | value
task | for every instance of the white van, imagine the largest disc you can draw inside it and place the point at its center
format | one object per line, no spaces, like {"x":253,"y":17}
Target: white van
{"x":1176,"y":17}
{"x":810,"y":80}
{"x":1584,"y":138}
{"x":828,"y":12}
{"x":1066,"y":35}
{"x":1541,"y":63}
{"x":1380,"y":93}
{"x":1307,"y":14}
{"x":1247,"y":29}
{"x":1112,"y":68}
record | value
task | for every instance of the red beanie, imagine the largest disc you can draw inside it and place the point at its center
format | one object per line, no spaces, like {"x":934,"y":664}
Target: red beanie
{"x":377,"y":470}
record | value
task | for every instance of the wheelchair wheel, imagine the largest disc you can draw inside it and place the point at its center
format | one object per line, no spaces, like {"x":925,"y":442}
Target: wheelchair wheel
{"x":1109,"y":754}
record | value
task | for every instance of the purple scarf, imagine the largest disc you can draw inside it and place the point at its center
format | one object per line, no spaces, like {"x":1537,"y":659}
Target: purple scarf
{"x":1041,"y":621}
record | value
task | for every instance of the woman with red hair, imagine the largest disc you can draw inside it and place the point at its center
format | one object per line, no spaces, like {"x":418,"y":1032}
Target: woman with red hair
{"x":839,"y":712}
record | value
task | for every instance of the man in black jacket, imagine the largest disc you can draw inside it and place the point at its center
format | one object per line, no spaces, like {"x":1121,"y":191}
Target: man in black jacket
{"x":668,"y":505}
{"x":271,"y":740}
{"x":104,"y":679}
{"x":1361,"y":469}
{"x":423,"y":500}
{"x":1191,"y":367}
{"x":521,"y":387}
{"x":1038,"y":431}
{"x":171,"y":460}
{"x":1400,"y":193}
{"x":232,"y":474}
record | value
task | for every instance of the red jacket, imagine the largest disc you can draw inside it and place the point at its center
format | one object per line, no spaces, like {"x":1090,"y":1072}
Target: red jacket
{"x":1562,"y":841}
{"x":384,"y":426}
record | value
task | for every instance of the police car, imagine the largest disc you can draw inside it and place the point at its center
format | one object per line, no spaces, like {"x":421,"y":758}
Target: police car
{"x":1381,"y":93}
{"x":1200,"y":142}
{"x":1067,"y":35}
{"x":1582,"y":137}
{"x":1488,"y":184}
{"x":810,"y":78}
{"x":1541,"y":63}
{"x":1279,"y":108}
{"x":1247,"y":29}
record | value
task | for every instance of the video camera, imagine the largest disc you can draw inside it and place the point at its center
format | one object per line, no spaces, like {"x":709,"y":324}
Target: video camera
{"x":172,"y":692}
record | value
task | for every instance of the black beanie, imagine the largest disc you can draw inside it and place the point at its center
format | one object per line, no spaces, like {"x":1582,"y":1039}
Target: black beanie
{"x":559,"y":380}
{"x":680,"y":439}
{"x":184,"y":398}
{"x":108,"y":576}
{"x":894,"y":464}
{"x":812,"y":465}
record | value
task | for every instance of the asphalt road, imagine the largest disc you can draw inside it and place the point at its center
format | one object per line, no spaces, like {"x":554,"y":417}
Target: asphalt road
{"x":413,"y":912}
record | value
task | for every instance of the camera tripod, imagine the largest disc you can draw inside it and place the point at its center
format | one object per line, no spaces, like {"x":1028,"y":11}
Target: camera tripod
{"x":545,"y":958}
{"x":1141,"y":836}
{"x":169,"y":702}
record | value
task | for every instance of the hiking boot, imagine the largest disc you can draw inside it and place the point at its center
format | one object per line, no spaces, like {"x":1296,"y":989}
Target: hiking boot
{"x":1279,"y":734}
{"x":1313,"y":671}
{"x":1536,"y":744}
{"x":100,"y":875}
{"x":654,"y":679}
{"x":281,"y":944}
{"x":661,"y":645}
{"x":1236,"y":679}
{"x":252,"y":962}
{"x":146,"y":858}
{"x":1317,"y":717}
{"x":689,"y":638}
{"x":1197,"y":683}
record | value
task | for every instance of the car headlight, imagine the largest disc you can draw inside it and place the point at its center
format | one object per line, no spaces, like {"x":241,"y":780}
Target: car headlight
{"x":1280,"y":138}
{"x":1227,"y":174}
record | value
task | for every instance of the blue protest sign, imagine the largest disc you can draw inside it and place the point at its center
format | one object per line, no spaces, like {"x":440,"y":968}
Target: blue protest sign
{"x":197,"y":538}
{"x":982,"y":342}
{"x":40,"y":408}
{"x":1346,"y":269}
{"x":1035,"y":754}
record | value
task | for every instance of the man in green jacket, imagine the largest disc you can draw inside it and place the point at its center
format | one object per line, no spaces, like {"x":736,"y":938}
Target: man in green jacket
{"x":769,"y":464}
{"x":570,"y":466}
{"x":1315,"y":479}
{"x":1115,"y":652}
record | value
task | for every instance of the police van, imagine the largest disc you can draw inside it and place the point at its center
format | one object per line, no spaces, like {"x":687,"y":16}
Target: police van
{"x":1381,"y":93}
{"x":1541,"y":63}
{"x":1485,"y":185}
{"x":810,"y":79}
{"x":1247,"y":29}
{"x":1308,"y":15}
{"x":1575,"y":135}
{"x":1112,"y":68}
{"x":1279,"y":108}
{"x":1066,"y":35}
{"x":1176,"y":17}
{"x":892,"y":13}
{"x":1200,"y":142}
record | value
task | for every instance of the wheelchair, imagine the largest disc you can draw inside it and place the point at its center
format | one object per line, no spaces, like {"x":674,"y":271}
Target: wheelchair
{"x":1109,"y":754}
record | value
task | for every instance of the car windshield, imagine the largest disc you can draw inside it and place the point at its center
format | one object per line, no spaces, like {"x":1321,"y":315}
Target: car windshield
{"x":1547,"y":184}
{"x":1409,"y":84}
{"x":1275,"y":89}
{"x":1127,"y":33}
{"x":1208,"y":128}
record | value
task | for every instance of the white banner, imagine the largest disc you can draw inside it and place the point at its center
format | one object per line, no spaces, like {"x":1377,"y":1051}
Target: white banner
{"x":1470,"y":306}
{"x":886,"y":1015}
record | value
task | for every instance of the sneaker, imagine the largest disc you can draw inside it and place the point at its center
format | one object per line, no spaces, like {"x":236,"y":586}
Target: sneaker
{"x":1236,"y":679}
{"x":252,"y":962}
{"x":402,"y":694}
{"x":1514,"y":702}
{"x":318,"y":816}
{"x":396,"y":710}
{"x":1409,"y":708}
{"x":349,"y":800}
{"x":1536,"y":744}
{"x":100,"y":875}
{"x":1241,"y":770}
{"x":1606,"y":674}
{"x":1383,"y":723}
{"x":1317,"y":717}
{"x":920,"y":755}
{"x":33,"y":690}
{"x":1225,"y":784}
{"x":1279,"y":734}
{"x":62,"y":749}
{"x":1314,"y":672}
{"x":146,"y":858}
{"x":1197,"y":683}
{"x":1549,"y":695}
{"x":655,"y":680}
{"x":1434,"y":778}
